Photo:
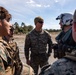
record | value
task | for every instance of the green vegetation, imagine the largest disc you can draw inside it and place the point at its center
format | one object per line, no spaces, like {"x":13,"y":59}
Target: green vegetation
{"x":23,"y":28}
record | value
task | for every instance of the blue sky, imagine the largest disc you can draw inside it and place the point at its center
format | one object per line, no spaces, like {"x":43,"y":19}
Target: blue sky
{"x":26,"y":10}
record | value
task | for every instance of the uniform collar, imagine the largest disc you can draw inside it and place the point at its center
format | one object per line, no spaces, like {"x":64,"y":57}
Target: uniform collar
{"x":39,"y":32}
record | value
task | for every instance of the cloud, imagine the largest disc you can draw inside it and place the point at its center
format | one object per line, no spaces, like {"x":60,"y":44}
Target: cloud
{"x":39,"y":3}
{"x":26,"y":10}
{"x":30,"y":2}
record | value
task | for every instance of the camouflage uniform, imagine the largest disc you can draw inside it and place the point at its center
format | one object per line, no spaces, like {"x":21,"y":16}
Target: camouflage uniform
{"x":16,"y":58}
{"x":14,"y":52}
{"x":10,"y":63}
{"x":37,"y":42}
{"x":6,"y":62}
{"x":66,"y":21}
{"x":20,"y":69}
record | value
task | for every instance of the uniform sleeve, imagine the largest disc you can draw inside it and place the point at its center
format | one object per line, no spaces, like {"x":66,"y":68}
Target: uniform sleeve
{"x":49,"y":44}
{"x":2,"y":70}
{"x":27,"y":46}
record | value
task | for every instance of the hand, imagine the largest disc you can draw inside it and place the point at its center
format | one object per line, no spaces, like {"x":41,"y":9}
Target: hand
{"x":28,"y":62}
{"x":55,"y":46}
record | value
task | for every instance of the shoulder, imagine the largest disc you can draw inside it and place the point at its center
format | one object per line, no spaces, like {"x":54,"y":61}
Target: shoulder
{"x":29,"y":34}
{"x":47,"y":33}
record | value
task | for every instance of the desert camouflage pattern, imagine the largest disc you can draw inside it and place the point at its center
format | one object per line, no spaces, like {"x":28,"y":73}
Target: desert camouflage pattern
{"x":4,"y":56}
{"x":62,"y":66}
{"x":15,"y":56}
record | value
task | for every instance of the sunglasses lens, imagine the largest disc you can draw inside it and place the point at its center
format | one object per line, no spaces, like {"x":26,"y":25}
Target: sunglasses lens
{"x":40,"y":21}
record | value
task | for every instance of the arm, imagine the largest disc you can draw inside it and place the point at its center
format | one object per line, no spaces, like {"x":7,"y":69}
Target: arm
{"x":49,"y":45}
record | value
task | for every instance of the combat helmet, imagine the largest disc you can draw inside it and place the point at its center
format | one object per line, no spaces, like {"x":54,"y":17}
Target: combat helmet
{"x":66,"y":19}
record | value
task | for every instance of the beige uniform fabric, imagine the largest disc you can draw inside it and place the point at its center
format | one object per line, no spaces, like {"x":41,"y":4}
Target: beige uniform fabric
{"x":27,"y":70}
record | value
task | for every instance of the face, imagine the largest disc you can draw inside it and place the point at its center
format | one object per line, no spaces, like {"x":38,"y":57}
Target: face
{"x":5,"y":27}
{"x":39,"y":25}
{"x":60,"y":23}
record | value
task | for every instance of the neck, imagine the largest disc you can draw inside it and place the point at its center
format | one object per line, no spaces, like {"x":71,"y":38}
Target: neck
{"x":38,"y":29}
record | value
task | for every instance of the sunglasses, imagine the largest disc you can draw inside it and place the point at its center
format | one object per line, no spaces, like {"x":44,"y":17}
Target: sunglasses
{"x":40,"y":22}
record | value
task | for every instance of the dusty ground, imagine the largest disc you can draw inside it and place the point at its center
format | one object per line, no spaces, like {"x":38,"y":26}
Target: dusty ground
{"x":20,"y":41}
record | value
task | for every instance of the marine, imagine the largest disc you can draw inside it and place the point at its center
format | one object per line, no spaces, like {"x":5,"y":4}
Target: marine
{"x":38,"y":42}
{"x":6,"y":62}
{"x":9,"y":61}
{"x":66,"y":20}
